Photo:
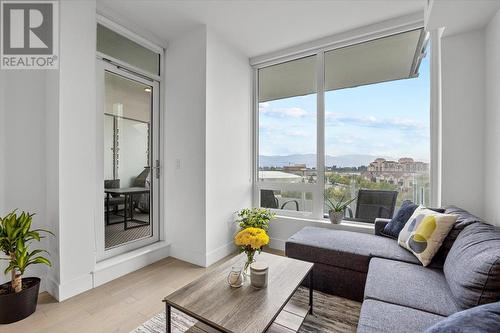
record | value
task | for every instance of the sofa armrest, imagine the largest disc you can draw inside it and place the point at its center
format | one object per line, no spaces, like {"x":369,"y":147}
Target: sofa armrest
{"x":380,"y":223}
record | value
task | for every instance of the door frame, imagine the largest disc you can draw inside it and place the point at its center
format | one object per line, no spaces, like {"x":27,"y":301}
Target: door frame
{"x":103,"y":66}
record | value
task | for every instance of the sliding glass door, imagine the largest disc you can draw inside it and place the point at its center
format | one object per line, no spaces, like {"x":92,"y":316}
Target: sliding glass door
{"x":128,"y":113}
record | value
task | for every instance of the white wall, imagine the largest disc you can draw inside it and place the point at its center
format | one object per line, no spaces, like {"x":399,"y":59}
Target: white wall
{"x":52,"y":176}
{"x":48,"y":124}
{"x":492,"y":120}
{"x":463,"y":121}
{"x":185,"y":76}
{"x":2,"y":143}
{"x":208,"y":144}
{"x":228,"y":143}
{"x":77,"y":146}
{"x":22,"y":123}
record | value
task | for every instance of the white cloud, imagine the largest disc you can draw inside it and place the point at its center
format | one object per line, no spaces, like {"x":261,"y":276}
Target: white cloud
{"x":283,"y":112}
{"x":264,"y":106}
{"x":334,"y":118}
{"x":300,"y":133}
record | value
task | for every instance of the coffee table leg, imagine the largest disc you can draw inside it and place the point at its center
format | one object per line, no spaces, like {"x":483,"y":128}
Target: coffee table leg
{"x":311,"y":292}
{"x":169,"y":324}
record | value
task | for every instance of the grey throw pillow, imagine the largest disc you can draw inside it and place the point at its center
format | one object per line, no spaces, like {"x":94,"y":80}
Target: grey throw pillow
{"x":472,"y":268}
{"x":481,"y":319}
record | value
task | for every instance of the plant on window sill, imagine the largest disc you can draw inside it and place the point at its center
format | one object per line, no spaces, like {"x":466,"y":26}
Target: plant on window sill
{"x":337,"y":208}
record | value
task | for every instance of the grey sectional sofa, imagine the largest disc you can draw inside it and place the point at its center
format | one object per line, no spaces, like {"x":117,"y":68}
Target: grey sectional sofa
{"x":398,"y":293}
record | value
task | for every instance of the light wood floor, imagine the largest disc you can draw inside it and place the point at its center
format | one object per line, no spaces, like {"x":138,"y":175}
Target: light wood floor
{"x":118,"y":306}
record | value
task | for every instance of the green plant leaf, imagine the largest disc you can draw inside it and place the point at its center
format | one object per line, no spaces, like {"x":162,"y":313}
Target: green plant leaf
{"x":15,"y":238}
{"x":32,"y":235}
{"x":9,"y":268}
{"x":35,"y":252}
{"x":40,"y":260}
{"x":43,"y":230}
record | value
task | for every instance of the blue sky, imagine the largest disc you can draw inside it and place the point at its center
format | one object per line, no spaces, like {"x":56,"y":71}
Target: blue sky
{"x":387,"y":119}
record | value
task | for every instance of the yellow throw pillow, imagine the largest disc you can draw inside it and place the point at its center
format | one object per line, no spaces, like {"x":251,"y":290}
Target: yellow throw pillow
{"x":424,"y":233}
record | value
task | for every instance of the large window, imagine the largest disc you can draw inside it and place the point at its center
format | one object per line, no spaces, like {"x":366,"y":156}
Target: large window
{"x":287,"y":127}
{"x":363,"y":124}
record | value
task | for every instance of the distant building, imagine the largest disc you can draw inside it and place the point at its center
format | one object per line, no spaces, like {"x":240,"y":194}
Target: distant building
{"x":409,"y":165}
{"x":279,"y":176}
{"x":402,"y":173}
{"x":296,"y":168}
{"x":297,"y":173}
{"x":403,"y":165}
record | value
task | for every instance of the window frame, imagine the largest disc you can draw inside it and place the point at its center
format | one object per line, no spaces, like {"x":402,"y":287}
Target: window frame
{"x":317,"y":189}
{"x":134,"y":38}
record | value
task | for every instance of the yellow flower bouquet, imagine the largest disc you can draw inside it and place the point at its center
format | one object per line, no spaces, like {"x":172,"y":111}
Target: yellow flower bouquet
{"x":250,"y":241}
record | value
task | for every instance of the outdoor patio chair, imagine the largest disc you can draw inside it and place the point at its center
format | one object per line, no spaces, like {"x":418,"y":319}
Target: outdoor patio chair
{"x":372,"y":204}
{"x":269,"y":200}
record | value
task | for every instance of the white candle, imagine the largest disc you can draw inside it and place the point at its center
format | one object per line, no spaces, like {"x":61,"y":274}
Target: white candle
{"x":235,"y":278}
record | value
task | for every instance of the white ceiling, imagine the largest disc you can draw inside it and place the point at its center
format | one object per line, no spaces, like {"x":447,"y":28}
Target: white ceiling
{"x":257,"y":27}
{"x":458,"y":16}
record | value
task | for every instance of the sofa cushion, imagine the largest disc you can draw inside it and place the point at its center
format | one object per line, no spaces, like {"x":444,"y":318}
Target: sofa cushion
{"x":410,"y":285}
{"x":393,"y":228}
{"x":377,"y":316}
{"x":472,"y":267}
{"x":480,"y":319}
{"x":463,"y":220}
{"x":346,"y":249}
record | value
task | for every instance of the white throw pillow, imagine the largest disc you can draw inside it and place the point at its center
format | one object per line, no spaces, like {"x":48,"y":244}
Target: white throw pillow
{"x":424,"y":233}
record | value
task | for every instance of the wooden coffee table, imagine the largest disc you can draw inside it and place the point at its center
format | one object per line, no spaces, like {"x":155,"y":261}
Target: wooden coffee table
{"x":213,"y":302}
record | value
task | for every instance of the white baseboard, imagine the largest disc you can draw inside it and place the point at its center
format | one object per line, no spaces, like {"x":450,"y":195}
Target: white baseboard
{"x":51,"y":286}
{"x":110,"y":269}
{"x":188,"y":255}
{"x":73,"y":287}
{"x":277,"y":244}
{"x":219,"y":253}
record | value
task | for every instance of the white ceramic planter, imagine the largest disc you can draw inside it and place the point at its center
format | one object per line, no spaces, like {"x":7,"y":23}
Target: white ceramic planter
{"x":336,"y":217}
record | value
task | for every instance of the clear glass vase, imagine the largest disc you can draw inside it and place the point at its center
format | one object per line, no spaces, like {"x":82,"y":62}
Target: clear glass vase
{"x":248,"y":262}
{"x":236,"y":278}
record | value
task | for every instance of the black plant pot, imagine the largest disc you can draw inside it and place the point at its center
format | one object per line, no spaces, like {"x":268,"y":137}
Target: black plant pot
{"x":17,"y":306}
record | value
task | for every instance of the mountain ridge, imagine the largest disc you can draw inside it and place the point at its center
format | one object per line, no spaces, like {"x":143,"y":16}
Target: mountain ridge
{"x":349,"y":160}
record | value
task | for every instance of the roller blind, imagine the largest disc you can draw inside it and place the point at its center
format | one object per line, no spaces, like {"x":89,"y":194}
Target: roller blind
{"x":385,"y":59}
{"x":288,"y":79}
{"x":122,"y":48}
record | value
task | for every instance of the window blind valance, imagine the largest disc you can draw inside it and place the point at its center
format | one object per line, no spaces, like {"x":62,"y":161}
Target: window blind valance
{"x":384,"y":59}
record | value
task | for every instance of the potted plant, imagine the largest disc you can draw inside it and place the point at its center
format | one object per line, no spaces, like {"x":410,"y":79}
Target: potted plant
{"x":18,"y":298}
{"x":336,"y":208}
{"x":255,"y":217}
{"x":252,"y":236}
